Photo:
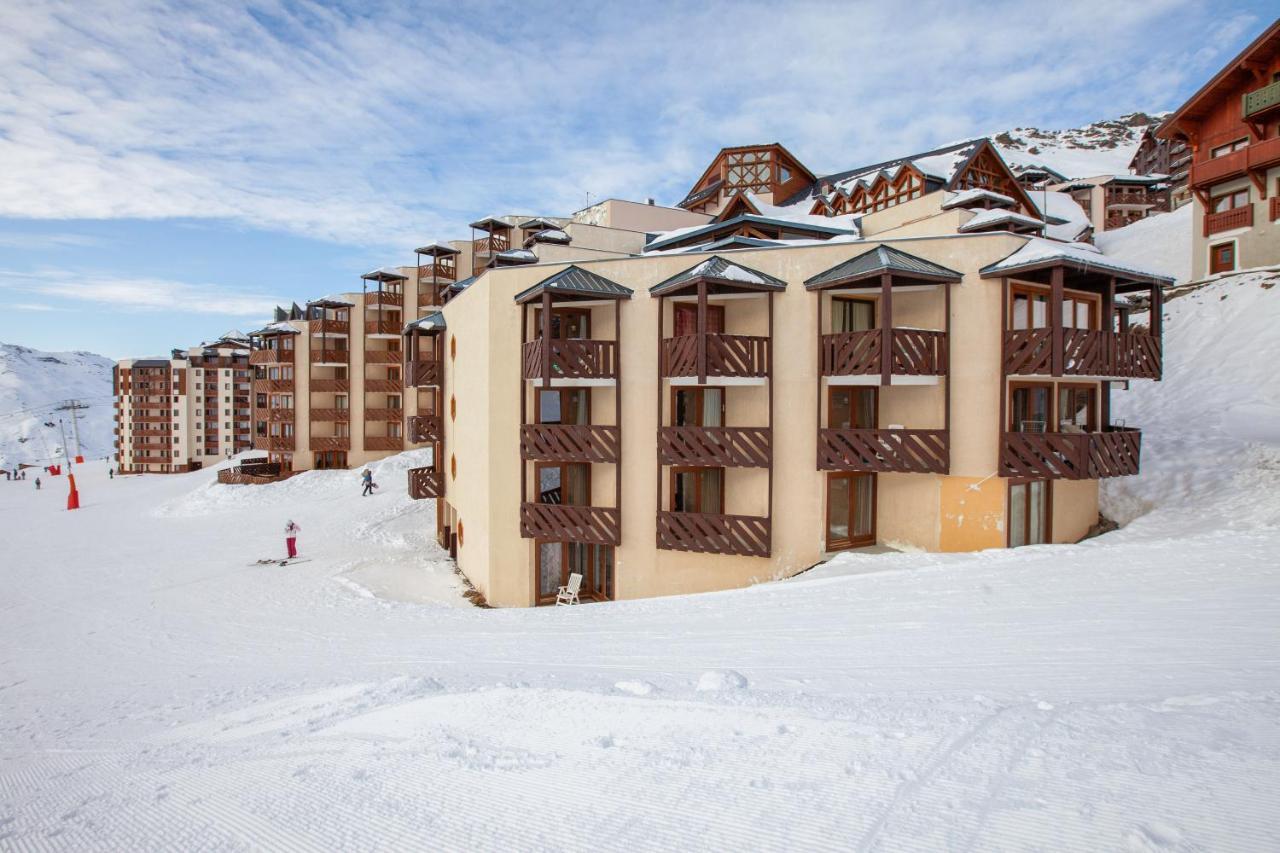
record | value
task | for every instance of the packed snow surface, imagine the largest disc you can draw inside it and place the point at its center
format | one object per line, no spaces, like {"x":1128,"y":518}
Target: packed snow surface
{"x":34,"y":386}
{"x":1160,"y":243}
{"x":158,"y":692}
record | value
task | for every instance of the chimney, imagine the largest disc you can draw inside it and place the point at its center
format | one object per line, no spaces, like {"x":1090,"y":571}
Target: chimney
{"x":649,"y":201}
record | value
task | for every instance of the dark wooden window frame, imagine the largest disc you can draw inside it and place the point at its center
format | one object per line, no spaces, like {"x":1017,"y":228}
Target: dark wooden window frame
{"x":1048,"y":508}
{"x":699,"y":392}
{"x":832,"y":390}
{"x":676,"y":470}
{"x":585,"y":592}
{"x":1051,"y":408}
{"x":563,"y":311}
{"x":563,"y":392}
{"x":846,"y":544}
{"x":1091,"y":388}
{"x":1069,"y":295}
{"x":873,"y":301}
{"x":537,"y":479}
{"x":1214,"y":268}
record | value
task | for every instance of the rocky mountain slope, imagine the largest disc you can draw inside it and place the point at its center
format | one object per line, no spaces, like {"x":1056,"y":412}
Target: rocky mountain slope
{"x":1102,"y":148}
{"x":34,"y":385}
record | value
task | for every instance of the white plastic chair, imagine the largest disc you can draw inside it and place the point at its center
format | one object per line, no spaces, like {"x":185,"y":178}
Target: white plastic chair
{"x":569,"y":594}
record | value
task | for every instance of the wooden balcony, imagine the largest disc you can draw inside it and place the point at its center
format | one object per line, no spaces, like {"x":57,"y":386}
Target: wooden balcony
{"x":730,"y":447}
{"x":382,"y":414}
{"x":280,"y":415}
{"x":382,"y":356}
{"x":382,"y":327}
{"x":706,"y":533}
{"x":276,"y":443}
{"x":425,"y":428}
{"x":596,"y":525}
{"x":906,"y":451}
{"x":572,"y":359}
{"x":422,"y":374}
{"x":330,"y":356}
{"x":383,"y":297}
{"x":1086,"y":352}
{"x":383,"y":442}
{"x":321,"y":443}
{"x":425,"y":483}
{"x":570,"y":442}
{"x":328,"y":386}
{"x":916,"y":352}
{"x":253,"y":474}
{"x":743,"y":356}
{"x":1070,"y":456}
{"x":1259,"y":102}
{"x":1264,"y":154}
{"x":271,"y":356}
{"x":1228,"y":220}
{"x":383,"y":386}
{"x":275,"y":386}
{"x":491,"y":245}
{"x":1218,"y":169}
{"x":330,"y":327}
{"x":337,"y":415}
{"x":438,"y":271}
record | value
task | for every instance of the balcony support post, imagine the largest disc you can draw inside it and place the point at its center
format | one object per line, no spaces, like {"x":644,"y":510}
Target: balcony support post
{"x":662,"y":369}
{"x":546,"y":339}
{"x":617,"y":404}
{"x":946,"y":327}
{"x":768,"y":509}
{"x":1004,"y":376}
{"x":886,"y":328}
{"x":817,"y":421}
{"x":702,"y":332}
{"x":524,"y":401}
{"x":1055,"y":320}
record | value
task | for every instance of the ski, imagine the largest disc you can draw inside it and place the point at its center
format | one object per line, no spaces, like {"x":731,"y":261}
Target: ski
{"x":282,"y":561}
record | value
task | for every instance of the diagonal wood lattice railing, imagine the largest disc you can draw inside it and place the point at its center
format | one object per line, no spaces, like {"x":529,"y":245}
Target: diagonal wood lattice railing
{"x":572,"y":358}
{"x":911,"y":451}
{"x":733,"y":447}
{"x":708,"y":533}
{"x":1085,"y":352}
{"x":425,"y":483}
{"x":570,"y":442}
{"x":727,"y":355}
{"x":596,"y":525}
{"x":424,"y":429}
{"x":1071,"y":456}
{"x":916,"y":352}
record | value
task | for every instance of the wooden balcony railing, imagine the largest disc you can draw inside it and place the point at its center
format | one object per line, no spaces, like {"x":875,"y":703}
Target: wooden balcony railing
{"x":280,"y":415}
{"x":596,"y":525}
{"x":727,"y":355}
{"x":1071,"y":456}
{"x":382,"y":356}
{"x":383,"y":442}
{"x":328,"y":386}
{"x":574,"y":358}
{"x":337,"y":415}
{"x":706,"y":533}
{"x":1086,"y":352}
{"x":731,"y":447}
{"x":492,"y":244}
{"x":271,"y":356}
{"x":1218,"y":169}
{"x":383,"y":386}
{"x":425,"y":483}
{"x":382,"y":414}
{"x":273,"y":442}
{"x":381,"y":327}
{"x":330,"y":442}
{"x":909,"y":451}
{"x":916,"y":352}
{"x":1264,"y":154}
{"x":437,"y":272}
{"x":425,"y":428}
{"x":330,"y":356}
{"x":422,"y":374}
{"x":1261,"y":100}
{"x":570,"y":442}
{"x":1227,"y":220}
{"x":383,"y":297}
{"x":328,"y":326}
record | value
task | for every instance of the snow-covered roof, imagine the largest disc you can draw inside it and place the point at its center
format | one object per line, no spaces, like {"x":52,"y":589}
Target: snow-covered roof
{"x":276,"y":329}
{"x":332,"y":301}
{"x":940,"y":164}
{"x":1067,"y":219}
{"x":385,"y":274}
{"x":519,"y":256}
{"x":985,"y":219}
{"x":1039,"y":252}
{"x":965,"y":198}
{"x":717,"y":269}
{"x":576,"y":281}
{"x":793,"y":219}
{"x":879,"y":260}
{"x":436,"y":248}
{"x":550,"y":235}
{"x":433,"y":322}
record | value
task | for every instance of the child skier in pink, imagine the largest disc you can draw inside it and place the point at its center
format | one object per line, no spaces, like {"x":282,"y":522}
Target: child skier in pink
{"x":291,"y":532}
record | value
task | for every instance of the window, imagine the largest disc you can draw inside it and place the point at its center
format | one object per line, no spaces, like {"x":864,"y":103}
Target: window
{"x":563,"y":406}
{"x":1224,"y":150}
{"x":697,"y":407}
{"x":850,"y":510}
{"x":852,"y":315}
{"x":1079,"y":311}
{"x":684,"y":319}
{"x":1222,"y":258}
{"x":1077,"y":408}
{"x":1229,"y":201}
{"x":851,"y":408}
{"x":565,"y":323}
{"x":697,"y":490}
{"x":558,"y":560}
{"x":1029,"y":408}
{"x":564,"y":483}
{"x":1030,"y":309}
{"x":1028,"y":513}
{"x":784,"y":174}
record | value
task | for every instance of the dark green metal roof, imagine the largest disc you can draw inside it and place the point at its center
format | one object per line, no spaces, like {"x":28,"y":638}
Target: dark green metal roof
{"x":433,"y":322}
{"x":576,"y":281}
{"x":879,"y":260}
{"x":719,"y":271}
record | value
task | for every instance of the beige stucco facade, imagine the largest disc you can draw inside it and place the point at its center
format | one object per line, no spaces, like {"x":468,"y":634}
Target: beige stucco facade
{"x":1255,"y":246}
{"x":964,"y":510}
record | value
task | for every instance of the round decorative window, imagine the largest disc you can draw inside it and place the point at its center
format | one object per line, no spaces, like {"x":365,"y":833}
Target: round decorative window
{"x":453,"y":347}
{"x":459,"y":531}
{"x":453,"y":466}
{"x":453,"y":408}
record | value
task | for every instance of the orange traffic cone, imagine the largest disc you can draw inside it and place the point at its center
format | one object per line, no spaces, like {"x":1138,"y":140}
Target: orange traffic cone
{"x":73,"y":498}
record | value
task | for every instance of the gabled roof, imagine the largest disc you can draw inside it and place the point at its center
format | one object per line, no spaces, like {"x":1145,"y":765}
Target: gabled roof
{"x":276,"y":329}
{"x":941,"y":165}
{"x":384,"y":274}
{"x":965,"y":197}
{"x":433,"y":322}
{"x":1039,"y":253}
{"x":489,"y":223}
{"x":991,"y":218}
{"x":540,"y":223}
{"x":575,"y":281}
{"x":881,"y":259}
{"x":716,"y":270}
{"x":737,"y":241}
{"x":549,"y":235}
{"x":778,"y":148}
{"x":436,"y":249}
{"x":330,"y":302}
{"x":1223,"y":84}
{"x":459,"y":286}
{"x":679,"y":235}
{"x":513,"y":257}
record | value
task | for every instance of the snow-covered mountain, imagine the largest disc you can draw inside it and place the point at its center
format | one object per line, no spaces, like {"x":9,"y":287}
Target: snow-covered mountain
{"x":34,"y":385}
{"x":1102,"y":148}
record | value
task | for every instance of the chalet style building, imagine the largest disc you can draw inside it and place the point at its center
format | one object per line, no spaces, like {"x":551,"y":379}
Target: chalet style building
{"x":898,"y":354}
{"x":1114,"y":201}
{"x":1232,"y":125}
{"x":183,"y":412}
{"x":1168,"y":157}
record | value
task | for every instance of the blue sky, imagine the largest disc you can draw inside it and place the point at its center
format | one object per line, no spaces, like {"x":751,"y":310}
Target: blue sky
{"x":171,"y":171}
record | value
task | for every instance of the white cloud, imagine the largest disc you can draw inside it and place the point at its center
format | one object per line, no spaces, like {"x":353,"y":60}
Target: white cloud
{"x":390,"y":127}
{"x":76,"y":288}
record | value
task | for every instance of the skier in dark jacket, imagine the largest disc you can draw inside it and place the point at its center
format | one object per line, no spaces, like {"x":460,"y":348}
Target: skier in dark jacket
{"x":367,"y":479}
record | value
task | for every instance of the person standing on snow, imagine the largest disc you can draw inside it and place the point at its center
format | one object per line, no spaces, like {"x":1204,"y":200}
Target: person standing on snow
{"x":37,"y":484}
{"x":367,"y":479}
{"x":111,"y":475}
{"x":291,"y":532}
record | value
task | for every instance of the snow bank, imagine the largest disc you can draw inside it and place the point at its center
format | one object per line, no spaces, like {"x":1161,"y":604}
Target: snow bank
{"x":1161,"y":243}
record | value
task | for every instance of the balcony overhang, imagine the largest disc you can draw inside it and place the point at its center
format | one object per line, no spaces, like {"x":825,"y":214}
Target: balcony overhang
{"x":719,"y":276}
{"x":904,"y":270}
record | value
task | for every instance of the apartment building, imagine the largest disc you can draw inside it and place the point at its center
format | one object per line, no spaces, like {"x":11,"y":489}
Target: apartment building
{"x":1232,"y":125}
{"x":1168,"y":157}
{"x":1114,"y":201}
{"x":890,"y":355}
{"x":183,"y":412}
